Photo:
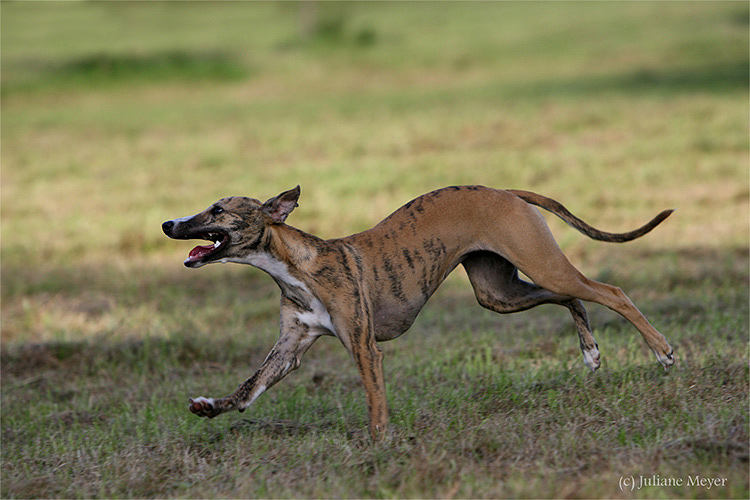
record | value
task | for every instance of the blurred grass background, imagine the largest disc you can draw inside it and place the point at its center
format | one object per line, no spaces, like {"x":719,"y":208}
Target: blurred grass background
{"x":117,"y":116}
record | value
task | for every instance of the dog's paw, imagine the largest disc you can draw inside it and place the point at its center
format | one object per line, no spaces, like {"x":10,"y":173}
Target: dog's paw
{"x":592,"y":358}
{"x":204,"y":407}
{"x":666,"y":359}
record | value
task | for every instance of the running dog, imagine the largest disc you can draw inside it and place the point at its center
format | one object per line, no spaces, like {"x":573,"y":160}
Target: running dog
{"x":369,"y":287}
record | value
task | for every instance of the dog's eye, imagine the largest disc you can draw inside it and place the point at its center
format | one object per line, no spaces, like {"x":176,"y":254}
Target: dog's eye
{"x":216,"y":210}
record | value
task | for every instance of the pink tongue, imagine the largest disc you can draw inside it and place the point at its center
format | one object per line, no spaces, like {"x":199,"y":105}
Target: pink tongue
{"x":200,"y":251}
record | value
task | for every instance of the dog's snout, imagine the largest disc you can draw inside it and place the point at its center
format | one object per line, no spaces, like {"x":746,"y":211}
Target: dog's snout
{"x":167,"y":226}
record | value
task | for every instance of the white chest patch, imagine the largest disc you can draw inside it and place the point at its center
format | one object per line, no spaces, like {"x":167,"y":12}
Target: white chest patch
{"x":318,"y":320}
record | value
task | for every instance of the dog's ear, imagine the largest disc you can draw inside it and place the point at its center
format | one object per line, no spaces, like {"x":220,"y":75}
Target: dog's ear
{"x":279,"y":207}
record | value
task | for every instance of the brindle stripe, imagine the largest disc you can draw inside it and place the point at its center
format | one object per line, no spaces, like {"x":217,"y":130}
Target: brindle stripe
{"x":395,"y":279}
{"x":409,"y":260}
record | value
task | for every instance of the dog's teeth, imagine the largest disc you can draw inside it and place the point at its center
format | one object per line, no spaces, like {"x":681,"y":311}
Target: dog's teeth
{"x":217,"y":243}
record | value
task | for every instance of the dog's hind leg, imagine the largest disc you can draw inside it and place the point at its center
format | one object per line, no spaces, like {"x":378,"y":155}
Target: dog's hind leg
{"x":546,"y":265}
{"x":497,"y":287}
{"x":614,"y":298}
{"x":535,"y":253}
{"x":589,"y":347}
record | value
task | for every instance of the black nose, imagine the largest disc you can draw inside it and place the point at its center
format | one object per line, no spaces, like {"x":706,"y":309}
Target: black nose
{"x":167,"y":226}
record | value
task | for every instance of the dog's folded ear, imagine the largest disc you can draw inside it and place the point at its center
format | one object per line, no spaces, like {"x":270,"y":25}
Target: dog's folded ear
{"x":279,"y":207}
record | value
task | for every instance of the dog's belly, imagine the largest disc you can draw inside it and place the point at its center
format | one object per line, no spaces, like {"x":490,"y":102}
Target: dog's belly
{"x":390,"y":321}
{"x":393,"y":315}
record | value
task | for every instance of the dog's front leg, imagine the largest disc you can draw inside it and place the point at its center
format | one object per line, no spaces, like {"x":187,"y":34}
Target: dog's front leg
{"x":359,"y":339}
{"x":369,"y":360}
{"x":284,"y":357}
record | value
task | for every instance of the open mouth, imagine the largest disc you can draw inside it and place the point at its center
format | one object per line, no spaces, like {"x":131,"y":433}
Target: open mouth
{"x":201,"y":252}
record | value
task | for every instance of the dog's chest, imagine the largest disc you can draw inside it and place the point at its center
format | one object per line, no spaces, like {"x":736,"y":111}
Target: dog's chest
{"x":317,"y":320}
{"x":312,"y":313}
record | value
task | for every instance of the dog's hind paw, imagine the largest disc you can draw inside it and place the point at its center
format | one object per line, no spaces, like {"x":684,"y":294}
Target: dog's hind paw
{"x":204,"y":407}
{"x":592,"y":358}
{"x":667,"y":359}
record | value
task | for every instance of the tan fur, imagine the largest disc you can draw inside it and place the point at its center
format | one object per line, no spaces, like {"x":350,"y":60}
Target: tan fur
{"x":370,"y":286}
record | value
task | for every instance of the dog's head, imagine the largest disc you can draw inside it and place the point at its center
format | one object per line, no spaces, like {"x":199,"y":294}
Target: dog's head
{"x":237,"y":226}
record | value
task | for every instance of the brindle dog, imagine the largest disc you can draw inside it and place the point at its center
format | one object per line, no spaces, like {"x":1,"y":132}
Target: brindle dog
{"x":370,"y":286}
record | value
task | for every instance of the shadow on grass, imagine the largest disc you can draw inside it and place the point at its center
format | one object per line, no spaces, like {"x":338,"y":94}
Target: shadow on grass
{"x":714,"y":78}
{"x":175,"y":64}
{"x":151,"y":355}
{"x":682,"y":287}
{"x":108,"y":69}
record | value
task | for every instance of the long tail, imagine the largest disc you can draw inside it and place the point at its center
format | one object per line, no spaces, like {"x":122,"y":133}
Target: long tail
{"x":556,"y":208}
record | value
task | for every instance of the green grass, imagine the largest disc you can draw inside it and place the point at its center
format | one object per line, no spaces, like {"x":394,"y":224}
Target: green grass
{"x":119,"y":116}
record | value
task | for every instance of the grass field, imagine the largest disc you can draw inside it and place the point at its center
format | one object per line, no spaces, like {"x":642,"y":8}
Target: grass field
{"x":118,"y":116}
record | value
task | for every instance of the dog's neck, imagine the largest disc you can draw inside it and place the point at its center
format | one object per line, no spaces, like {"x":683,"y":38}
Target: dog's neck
{"x":287,"y":257}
